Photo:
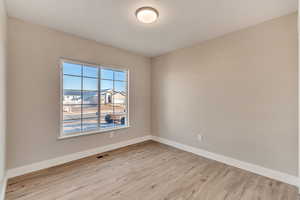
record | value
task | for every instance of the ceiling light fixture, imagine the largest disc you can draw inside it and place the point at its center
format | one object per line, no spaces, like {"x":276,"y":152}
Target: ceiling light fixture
{"x":147,"y":15}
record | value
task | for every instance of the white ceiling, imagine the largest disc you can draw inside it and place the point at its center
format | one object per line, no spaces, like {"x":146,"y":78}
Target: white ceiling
{"x":181,"y":23}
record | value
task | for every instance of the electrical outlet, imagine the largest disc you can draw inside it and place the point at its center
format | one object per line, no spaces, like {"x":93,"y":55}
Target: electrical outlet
{"x":199,"y":137}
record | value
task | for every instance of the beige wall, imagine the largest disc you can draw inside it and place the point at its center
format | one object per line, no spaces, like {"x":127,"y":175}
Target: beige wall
{"x":2,"y":88}
{"x":239,"y":91}
{"x":33,"y":92}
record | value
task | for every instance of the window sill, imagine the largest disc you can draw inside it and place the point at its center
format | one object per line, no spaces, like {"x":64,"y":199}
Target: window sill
{"x":79,"y":134}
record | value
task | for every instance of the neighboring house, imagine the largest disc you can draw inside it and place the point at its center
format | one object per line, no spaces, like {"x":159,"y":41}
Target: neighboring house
{"x":119,"y":98}
{"x":72,"y":97}
{"x":109,"y":96}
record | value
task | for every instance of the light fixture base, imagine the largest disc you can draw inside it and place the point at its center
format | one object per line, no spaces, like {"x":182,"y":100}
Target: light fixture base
{"x":147,"y":14}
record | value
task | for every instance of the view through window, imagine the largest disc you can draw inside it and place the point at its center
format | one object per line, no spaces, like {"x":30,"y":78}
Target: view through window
{"x":94,"y":98}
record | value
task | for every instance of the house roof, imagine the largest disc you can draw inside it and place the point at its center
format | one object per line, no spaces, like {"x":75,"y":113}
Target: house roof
{"x":90,"y":93}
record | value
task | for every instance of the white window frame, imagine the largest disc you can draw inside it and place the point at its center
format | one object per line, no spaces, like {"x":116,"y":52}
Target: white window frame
{"x":100,"y":66}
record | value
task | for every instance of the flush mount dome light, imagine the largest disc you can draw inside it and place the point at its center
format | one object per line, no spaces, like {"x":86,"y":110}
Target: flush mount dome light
{"x":146,"y":15}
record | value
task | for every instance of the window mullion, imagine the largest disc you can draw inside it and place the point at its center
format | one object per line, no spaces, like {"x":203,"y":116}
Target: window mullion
{"x":127,"y":96}
{"x":113,"y":99}
{"x":81,"y":112}
{"x":99,"y":97}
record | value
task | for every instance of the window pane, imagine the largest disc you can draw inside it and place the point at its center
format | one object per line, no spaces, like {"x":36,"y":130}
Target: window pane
{"x":120,"y":86}
{"x":106,"y":92}
{"x":120,"y":76}
{"x":89,"y":124}
{"x":90,"y":71}
{"x":120,"y":120}
{"x":71,"y":112}
{"x":120,"y":108}
{"x":106,"y":119}
{"x":90,"y":111}
{"x":107,"y":74}
{"x":119,"y":96}
{"x":90,"y":84}
{"x":90,"y":97}
{"x":106,"y":97}
{"x":72,"y":82}
{"x":106,"y":85}
{"x":72,"y":97}
{"x":106,"y":109}
{"x":71,"y":126}
{"x":72,"y":69}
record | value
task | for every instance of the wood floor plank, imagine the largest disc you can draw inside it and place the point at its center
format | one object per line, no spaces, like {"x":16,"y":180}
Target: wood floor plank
{"x":146,"y":171}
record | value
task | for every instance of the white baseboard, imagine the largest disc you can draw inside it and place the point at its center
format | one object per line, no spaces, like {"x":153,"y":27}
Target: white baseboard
{"x":276,"y":175}
{"x":71,"y":157}
{"x":3,"y":189}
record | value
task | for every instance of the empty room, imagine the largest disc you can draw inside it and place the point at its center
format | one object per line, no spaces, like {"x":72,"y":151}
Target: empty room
{"x":149,"y":100}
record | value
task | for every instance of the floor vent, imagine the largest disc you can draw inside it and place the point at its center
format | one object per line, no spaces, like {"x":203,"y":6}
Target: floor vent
{"x":102,"y":156}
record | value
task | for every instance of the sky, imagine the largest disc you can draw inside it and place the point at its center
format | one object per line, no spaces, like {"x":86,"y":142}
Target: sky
{"x":90,"y":78}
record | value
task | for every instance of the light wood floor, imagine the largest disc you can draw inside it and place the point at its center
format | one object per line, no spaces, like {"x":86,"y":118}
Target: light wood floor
{"x":147,"y":171}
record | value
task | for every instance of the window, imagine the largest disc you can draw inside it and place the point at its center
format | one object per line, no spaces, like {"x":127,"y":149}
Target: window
{"x":94,"y":98}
